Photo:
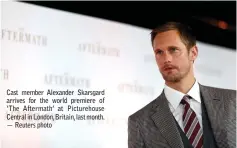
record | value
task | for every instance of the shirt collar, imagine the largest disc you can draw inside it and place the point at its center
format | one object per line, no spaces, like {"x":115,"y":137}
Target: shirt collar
{"x":174,"y":97}
{"x":194,"y":92}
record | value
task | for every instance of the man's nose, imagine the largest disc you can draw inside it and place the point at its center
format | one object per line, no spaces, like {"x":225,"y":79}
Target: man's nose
{"x":167,"y":57}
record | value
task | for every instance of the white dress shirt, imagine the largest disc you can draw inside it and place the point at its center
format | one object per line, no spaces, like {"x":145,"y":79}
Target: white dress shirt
{"x":174,"y":98}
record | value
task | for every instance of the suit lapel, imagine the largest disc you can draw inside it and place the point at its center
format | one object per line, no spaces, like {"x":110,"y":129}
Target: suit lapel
{"x":215,"y":109}
{"x":164,"y":120}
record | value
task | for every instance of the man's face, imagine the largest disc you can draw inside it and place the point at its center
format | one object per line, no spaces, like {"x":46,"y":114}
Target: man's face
{"x":172,"y":57}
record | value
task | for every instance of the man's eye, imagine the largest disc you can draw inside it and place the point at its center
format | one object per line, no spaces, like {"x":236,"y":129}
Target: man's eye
{"x":159,"y":52}
{"x":173,"y":49}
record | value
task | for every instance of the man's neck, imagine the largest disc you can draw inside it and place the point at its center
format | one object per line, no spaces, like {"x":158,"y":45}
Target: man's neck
{"x":183,"y":86}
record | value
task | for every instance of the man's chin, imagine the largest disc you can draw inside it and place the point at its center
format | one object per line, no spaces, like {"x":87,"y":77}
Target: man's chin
{"x":172,"y":79}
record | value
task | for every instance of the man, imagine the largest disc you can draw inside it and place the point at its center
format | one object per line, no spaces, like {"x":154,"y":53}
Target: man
{"x":186,"y":114}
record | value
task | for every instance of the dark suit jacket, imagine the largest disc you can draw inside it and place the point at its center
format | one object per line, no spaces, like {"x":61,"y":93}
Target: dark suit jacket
{"x":154,"y":126}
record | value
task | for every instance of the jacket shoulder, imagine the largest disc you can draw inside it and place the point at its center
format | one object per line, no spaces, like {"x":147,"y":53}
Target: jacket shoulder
{"x":220,"y":90}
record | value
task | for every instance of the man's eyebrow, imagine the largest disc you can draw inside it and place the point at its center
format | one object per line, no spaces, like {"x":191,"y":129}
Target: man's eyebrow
{"x":157,"y":49}
{"x":169,"y":47}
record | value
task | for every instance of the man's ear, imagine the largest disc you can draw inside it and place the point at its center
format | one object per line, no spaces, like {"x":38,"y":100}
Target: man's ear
{"x":193,"y":53}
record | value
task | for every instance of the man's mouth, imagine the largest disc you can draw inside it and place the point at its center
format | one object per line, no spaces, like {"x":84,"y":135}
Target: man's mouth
{"x":168,"y":69}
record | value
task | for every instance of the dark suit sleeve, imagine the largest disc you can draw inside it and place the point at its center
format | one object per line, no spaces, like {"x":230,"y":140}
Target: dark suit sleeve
{"x":134,"y":136}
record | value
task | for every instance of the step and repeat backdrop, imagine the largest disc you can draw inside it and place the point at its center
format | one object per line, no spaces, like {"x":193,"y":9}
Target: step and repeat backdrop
{"x":71,"y":81}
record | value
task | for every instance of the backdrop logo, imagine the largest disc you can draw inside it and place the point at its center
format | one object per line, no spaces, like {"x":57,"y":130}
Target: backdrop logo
{"x":4,"y":74}
{"x":66,"y":80}
{"x":135,"y":88}
{"x":20,"y":36}
{"x":98,"y":49}
{"x":149,"y":59}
